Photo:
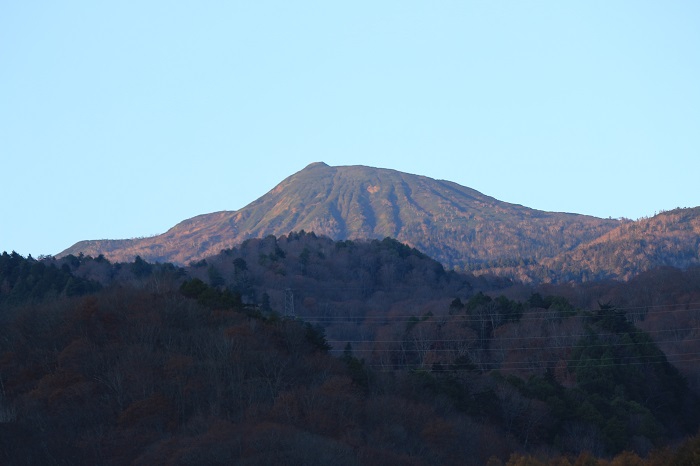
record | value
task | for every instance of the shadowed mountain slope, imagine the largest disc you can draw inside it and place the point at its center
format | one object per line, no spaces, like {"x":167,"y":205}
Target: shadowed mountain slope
{"x":454,"y":224}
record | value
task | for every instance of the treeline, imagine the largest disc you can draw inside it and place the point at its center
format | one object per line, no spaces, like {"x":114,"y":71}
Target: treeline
{"x":335,"y":282}
{"x":550,"y":374}
{"x":25,"y":279}
{"x":126,"y":375}
{"x":191,"y":375}
{"x":665,"y":302}
{"x":686,"y":454}
{"x":200,"y":366}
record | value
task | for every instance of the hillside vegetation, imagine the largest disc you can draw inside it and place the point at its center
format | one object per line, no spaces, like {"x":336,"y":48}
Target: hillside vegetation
{"x":389,"y":359}
{"x":667,"y":239}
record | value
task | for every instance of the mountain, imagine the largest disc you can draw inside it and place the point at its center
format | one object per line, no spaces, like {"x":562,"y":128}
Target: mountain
{"x":668,"y":239}
{"x":454,"y":224}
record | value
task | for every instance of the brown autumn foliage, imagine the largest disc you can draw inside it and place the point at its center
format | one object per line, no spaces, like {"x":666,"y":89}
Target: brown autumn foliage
{"x":141,"y":373}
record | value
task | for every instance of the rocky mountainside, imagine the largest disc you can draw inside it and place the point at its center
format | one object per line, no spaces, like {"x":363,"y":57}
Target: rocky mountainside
{"x":454,"y":224}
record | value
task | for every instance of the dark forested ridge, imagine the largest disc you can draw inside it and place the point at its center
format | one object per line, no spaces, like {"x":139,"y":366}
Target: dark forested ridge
{"x":28,"y":279}
{"x":388,"y":358}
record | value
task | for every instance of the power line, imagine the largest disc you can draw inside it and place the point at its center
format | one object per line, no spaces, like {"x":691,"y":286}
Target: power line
{"x":433,"y":346}
{"x":523,"y":366}
{"x":570,"y":363}
{"x":527,"y":315}
{"x":289,"y":303}
{"x":521,"y":348}
{"x":525,"y":338}
{"x":689,"y":330}
{"x":442,"y":319}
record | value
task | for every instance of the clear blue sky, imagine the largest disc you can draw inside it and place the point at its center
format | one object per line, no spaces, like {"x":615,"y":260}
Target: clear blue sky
{"x":120,"y":119}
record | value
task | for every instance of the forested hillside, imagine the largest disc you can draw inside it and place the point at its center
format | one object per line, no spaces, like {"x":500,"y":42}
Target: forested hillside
{"x":24,"y":280}
{"x":667,"y":239}
{"x":389,"y":359}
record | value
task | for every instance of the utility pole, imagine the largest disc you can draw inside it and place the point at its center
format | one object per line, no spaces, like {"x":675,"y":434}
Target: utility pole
{"x":289,"y":303}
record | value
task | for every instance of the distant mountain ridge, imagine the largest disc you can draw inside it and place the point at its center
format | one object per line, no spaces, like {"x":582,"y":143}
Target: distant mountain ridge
{"x":456,"y":225}
{"x":668,"y":239}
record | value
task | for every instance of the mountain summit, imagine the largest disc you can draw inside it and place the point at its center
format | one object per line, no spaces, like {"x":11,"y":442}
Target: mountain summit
{"x":454,"y":224}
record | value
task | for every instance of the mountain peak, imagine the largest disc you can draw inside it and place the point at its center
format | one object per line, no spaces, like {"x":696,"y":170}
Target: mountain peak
{"x":316,"y":165}
{"x":452,"y":223}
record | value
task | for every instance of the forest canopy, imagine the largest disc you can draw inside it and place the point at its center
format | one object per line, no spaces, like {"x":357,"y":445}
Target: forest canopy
{"x":389,"y":359}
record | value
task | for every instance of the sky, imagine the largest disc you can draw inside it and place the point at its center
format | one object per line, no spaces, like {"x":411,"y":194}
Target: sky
{"x":121,"y":119}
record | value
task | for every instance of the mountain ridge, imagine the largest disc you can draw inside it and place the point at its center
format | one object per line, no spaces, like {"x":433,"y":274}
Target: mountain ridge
{"x":351,"y":202}
{"x":457,"y":225}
